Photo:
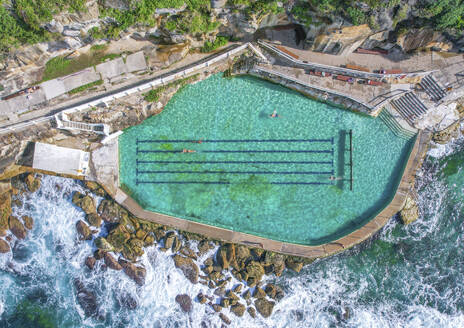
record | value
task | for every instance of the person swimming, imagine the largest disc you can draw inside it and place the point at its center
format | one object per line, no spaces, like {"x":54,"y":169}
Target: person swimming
{"x":197,"y":141}
{"x":334,"y":178}
{"x":188,"y":151}
{"x":274,"y":114}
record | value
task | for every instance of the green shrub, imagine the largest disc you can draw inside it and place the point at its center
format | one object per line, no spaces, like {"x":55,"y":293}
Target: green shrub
{"x":357,"y":16}
{"x":85,"y":87}
{"x":301,"y":12}
{"x":98,"y":47}
{"x":217,"y":43}
{"x":96,"y":33}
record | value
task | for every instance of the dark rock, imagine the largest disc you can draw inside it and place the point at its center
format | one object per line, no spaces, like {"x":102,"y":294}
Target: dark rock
{"x":111,"y":262}
{"x":188,"y":267}
{"x":203,"y":247}
{"x":252,"y":312}
{"x":264,"y":307}
{"x":176,"y":245}
{"x":85,"y":202}
{"x":225,"y":255}
{"x":224,"y":318}
{"x":90,"y":262}
{"x":110,"y":211}
{"x":149,"y":240}
{"x":103,"y":245}
{"x":83,"y":230}
{"x":4,"y":246}
{"x":99,"y":254}
{"x":202,"y":298}
{"x":94,"y":219}
{"x":211,"y":284}
{"x":259,"y":293}
{"x":271,"y":290}
{"x":188,"y":252}
{"x":185,"y":302}
{"x":86,"y":299}
{"x":28,"y":222}
{"x":294,"y":265}
{"x":254,"y":270}
{"x":238,"y":309}
{"x":17,"y":228}
{"x":209,"y":262}
{"x":238,"y":288}
{"x":225,"y":302}
{"x":257,"y":253}
{"x":169,"y":240}
{"x":220,"y":291}
{"x":127,"y":301}
{"x":275,"y":262}
{"x":217,"y":307}
{"x":32,"y":182}
{"x":136,"y":273}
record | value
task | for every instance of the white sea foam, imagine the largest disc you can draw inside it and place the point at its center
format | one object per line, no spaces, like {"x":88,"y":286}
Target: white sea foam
{"x":317,"y":297}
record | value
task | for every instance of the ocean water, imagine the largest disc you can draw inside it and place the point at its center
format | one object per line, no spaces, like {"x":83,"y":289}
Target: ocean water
{"x":307,"y":143}
{"x":405,"y":277}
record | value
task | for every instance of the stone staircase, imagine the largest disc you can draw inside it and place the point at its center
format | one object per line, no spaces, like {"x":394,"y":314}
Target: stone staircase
{"x":63,"y":122}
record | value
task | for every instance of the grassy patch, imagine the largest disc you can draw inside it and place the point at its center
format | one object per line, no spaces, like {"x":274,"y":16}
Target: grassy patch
{"x":61,"y":66}
{"x":98,"y":47}
{"x":85,"y":87}
{"x":155,"y":94}
{"x":217,"y":43}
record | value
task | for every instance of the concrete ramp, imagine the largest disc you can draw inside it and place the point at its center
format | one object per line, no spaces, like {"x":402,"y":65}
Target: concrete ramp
{"x":60,"y":160}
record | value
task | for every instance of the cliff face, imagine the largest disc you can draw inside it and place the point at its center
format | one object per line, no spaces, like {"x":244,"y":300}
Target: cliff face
{"x":324,"y":31}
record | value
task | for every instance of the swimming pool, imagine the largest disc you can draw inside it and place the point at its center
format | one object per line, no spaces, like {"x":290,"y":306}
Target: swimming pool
{"x":215,"y":156}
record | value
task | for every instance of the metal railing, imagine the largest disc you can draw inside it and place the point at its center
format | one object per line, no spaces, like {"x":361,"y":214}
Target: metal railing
{"x":335,"y":69}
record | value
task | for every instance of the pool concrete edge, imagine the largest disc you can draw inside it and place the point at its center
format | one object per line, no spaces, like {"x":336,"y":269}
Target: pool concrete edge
{"x":105,"y":167}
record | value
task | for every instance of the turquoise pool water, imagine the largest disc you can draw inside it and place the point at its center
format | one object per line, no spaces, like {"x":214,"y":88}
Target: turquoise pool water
{"x":256,"y":174}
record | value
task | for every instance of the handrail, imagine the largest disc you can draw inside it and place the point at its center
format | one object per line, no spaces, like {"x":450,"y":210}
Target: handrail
{"x":338,"y":69}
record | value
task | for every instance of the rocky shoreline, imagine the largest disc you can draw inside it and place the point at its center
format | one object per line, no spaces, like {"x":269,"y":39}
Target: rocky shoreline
{"x":233,"y":274}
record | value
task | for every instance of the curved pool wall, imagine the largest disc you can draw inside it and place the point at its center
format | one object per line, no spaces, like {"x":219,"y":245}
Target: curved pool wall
{"x":260,"y":175}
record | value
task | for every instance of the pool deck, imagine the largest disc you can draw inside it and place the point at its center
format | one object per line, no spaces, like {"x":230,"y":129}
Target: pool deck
{"x":104,"y":166}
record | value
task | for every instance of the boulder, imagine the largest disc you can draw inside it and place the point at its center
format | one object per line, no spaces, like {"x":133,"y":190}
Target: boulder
{"x":216,"y":307}
{"x":95,"y":188}
{"x":176,"y":245}
{"x":133,"y":249}
{"x":275,"y":261}
{"x":259,"y":293}
{"x":94,"y":219}
{"x":28,"y":222}
{"x":111,"y":262}
{"x":274,"y":292}
{"x":294,"y":265}
{"x":225,"y":256}
{"x":90,"y":262}
{"x":32,"y":182}
{"x":224,"y":318}
{"x":410,"y":211}
{"x":4,"y":246}
{"x":238,"y":309}
{"x":169,"y":240}
{"x":110,"y":211}
{"x":188,"y":267}
{"x":134,"y":272}
{"x":103,"y":245}
{"x":264,"y":307}
{"x":203,"y":247}
{"x":185,"y":302}
{"x":85,"y":202}
{"x":255,"y":271}
{"x":252,"y":312}
{"x":83,"y":230}
{"x":17,"y":228}
{"x":86,"y":299}
{"x":5,"y":209}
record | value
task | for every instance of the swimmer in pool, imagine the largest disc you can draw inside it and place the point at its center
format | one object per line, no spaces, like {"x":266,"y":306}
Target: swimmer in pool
{"x":333,"y":178}
{"x":274,"y":114}
{"x":188,"y":151}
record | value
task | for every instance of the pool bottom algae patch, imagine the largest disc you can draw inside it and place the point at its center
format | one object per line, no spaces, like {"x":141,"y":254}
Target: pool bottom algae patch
{"x":215,"y":155}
